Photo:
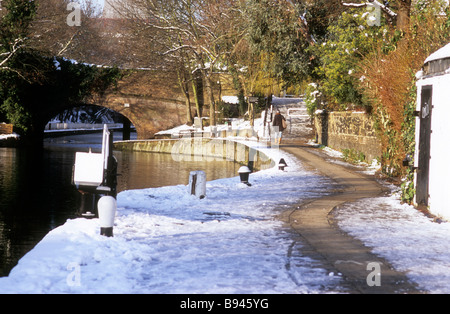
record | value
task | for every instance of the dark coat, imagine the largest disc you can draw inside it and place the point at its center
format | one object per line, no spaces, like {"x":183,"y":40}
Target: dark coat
{"x":278,"y":121}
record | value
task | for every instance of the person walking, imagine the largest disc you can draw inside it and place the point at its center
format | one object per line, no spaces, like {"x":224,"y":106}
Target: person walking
{"x":279,"y":125}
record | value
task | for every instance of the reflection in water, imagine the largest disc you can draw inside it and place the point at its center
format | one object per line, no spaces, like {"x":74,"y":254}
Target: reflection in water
{"x":37,"y":195}
{"x":7,"y":192}
{"x":144,"y":170}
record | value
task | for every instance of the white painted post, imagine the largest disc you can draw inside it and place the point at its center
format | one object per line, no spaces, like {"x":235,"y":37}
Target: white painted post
{"x":105,"y":146}
{"x":197,"y":184}
{"x":107,"y":207}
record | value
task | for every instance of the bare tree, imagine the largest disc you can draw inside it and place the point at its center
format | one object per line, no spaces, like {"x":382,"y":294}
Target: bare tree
{"x":192,"y":34}
{"x":52,"y":34}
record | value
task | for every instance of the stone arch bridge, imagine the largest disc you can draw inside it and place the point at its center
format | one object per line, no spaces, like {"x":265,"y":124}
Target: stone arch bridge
{"x":151,"y":100}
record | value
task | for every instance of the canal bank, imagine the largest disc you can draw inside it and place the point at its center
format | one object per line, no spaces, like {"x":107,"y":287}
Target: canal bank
{"x":9,"y":140}
{"x":168,"y":241}
{"x":232,"y":241}
{"x":37,"y":194}
{"x":204,"y":149}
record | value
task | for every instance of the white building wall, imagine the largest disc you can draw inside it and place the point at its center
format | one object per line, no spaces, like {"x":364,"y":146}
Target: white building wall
{"x":439,"y":180}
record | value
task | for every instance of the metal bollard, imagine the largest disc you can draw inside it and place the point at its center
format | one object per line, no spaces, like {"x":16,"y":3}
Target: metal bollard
{"x":244,"y":173}
{"x":282,"y":164}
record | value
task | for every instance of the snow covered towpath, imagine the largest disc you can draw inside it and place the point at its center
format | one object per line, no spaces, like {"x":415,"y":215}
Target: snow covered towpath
{"x":362,"y":269}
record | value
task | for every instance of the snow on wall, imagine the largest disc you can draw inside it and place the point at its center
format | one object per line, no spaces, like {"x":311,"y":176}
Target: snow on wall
{"x":442,"y":53}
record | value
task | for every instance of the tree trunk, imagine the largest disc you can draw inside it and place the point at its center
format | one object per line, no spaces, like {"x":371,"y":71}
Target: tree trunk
{"x":185,"y":89}
{"x":212,"y":105}
{"x":189,"y":118}
{"x":251,"y":114}
{"x":238,"y":86}
{"x":197,"y":87}
{"x":403,"y":15}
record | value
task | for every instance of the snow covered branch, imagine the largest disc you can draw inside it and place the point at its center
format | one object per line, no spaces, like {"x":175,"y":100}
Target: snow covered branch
{"x":67,"y":45}
{"x":383,"y":7}
{"x":353,"y":5}
{"x":305,"y":30}
{"x":18,"y":44}
{"x":175,"y":49}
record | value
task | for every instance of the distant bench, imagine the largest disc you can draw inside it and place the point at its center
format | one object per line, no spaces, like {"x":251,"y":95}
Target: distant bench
{"x":6,"y":128}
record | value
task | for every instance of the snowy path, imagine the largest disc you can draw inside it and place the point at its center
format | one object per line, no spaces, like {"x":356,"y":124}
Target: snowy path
{"x":411,"y":242}
{"x":348,"y":256}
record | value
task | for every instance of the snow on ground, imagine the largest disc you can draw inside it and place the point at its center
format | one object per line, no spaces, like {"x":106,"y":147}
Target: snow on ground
{"x":167,"y":241}
{"x":412,"y":242}
{"x":8,"y":136}
{"x":337,"y":157}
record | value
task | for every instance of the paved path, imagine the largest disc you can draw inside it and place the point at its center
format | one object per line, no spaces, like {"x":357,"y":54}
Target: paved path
{"x":342,"y":253}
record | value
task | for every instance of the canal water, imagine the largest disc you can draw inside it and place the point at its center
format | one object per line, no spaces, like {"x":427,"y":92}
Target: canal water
{"x":37,"y":195}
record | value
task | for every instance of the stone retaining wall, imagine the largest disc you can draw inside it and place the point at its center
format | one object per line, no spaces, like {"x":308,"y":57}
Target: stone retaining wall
{"x":201,"y":149}
{"x":6,"y":128}
{"x":348,"y":130}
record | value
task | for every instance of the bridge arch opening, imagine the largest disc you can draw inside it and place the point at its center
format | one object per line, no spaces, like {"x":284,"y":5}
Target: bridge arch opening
{"x":87,"y":118}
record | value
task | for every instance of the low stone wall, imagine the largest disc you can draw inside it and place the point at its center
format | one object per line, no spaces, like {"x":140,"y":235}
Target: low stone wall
{"x":77,"y":126}
{"x":201,"y":149}
{"x":6,"y":128}
{"x":243,"y":133}
{"x":348,"y":130}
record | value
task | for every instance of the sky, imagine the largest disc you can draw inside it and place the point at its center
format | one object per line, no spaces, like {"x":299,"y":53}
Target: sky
{"x":98,"y":3}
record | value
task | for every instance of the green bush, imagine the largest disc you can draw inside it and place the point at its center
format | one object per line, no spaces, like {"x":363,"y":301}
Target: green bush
{"x":312,"y":98}
{"x":351,"y":155}
{"x":350,"y":40}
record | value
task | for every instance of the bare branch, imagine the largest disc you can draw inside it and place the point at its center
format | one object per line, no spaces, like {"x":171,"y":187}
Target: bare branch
{"x":66,"y":46}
